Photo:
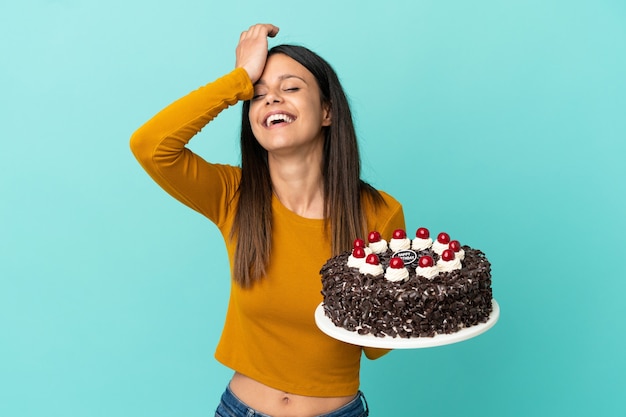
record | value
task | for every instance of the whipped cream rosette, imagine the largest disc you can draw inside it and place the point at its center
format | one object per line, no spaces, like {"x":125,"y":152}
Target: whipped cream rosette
{"x":441,"y":243}
{"x":448,"y":262}
{"x":396,"y":270}
{"x":426,"y":267}
{"x":372,"y":265}
{"x":399,"y":241}
{"x":377,"y":244}
{"x":418,"y":244}
{"x":422,"y":239}
{"x":357,"y":257}
{"x":458,"y":250}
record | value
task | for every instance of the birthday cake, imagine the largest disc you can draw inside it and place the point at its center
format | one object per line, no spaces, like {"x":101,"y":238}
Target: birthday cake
{"x":407,"y":287}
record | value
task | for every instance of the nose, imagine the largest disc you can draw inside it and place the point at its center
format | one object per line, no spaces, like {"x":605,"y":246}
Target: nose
{"x":273,"y":96}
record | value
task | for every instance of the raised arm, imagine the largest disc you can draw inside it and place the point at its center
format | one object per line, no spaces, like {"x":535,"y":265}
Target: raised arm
{"x":160,"y":144}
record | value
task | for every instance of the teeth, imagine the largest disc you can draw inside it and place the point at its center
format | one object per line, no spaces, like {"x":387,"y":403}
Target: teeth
{"x":278,"y":117}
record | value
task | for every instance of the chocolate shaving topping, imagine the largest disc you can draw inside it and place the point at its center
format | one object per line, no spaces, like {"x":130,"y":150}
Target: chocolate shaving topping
{"x":416,"y":307}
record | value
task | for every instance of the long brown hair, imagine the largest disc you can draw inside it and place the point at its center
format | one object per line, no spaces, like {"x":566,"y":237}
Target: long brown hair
{"x":341,"y":170}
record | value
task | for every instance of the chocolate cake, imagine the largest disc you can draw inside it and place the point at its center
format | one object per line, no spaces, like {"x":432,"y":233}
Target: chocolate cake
{"x":428,"y":288}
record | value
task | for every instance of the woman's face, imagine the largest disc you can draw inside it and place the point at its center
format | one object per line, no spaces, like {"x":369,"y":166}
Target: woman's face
{"x":286,"y":113}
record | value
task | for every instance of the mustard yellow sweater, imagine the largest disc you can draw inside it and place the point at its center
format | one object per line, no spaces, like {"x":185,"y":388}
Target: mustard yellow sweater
{"x":269,"y":333}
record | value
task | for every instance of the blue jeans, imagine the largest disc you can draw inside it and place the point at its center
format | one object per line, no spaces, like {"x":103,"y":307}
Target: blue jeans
{"x":231,"y":406}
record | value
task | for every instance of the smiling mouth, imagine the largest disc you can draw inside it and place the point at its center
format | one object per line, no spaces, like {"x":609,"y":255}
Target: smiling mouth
{"x":280,"y":118}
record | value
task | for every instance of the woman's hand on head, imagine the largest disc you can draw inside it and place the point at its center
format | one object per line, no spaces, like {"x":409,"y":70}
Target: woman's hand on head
{"x":251,"y":51}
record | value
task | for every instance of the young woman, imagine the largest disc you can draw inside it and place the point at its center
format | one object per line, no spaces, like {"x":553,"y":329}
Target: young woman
{"x":296,"y":200}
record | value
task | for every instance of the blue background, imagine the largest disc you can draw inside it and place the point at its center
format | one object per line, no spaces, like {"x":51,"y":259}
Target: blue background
{"x":501,"y":122}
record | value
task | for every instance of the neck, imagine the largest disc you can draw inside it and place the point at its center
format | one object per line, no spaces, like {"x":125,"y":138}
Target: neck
{"x":298,"y":184}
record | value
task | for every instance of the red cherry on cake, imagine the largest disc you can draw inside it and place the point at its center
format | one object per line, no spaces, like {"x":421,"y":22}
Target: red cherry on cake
{"x":358,"y":243}
{"x":443,"y":238}
{"x":455,"y":245}
{"x":396,"y":263}
{"x":399,"y":234}
{"x":426,"y":261}
{"x":422,"y":233}
{"x":358,"y":252}
{"x":372,"y":259}
{"x":373,"y":237}
{"x":447,"y":255}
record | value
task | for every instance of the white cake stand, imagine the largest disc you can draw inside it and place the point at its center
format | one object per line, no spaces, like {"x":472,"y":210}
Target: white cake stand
{"x":387,"y":342}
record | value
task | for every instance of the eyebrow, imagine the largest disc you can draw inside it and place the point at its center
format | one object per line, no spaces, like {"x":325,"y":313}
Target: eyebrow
{"x":282,"y":78}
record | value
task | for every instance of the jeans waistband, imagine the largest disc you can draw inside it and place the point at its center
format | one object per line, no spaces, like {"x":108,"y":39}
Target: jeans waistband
{"x":355,"y":408}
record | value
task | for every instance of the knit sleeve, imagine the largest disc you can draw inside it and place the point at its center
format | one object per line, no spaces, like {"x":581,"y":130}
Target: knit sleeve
{"x":160,"y":146}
